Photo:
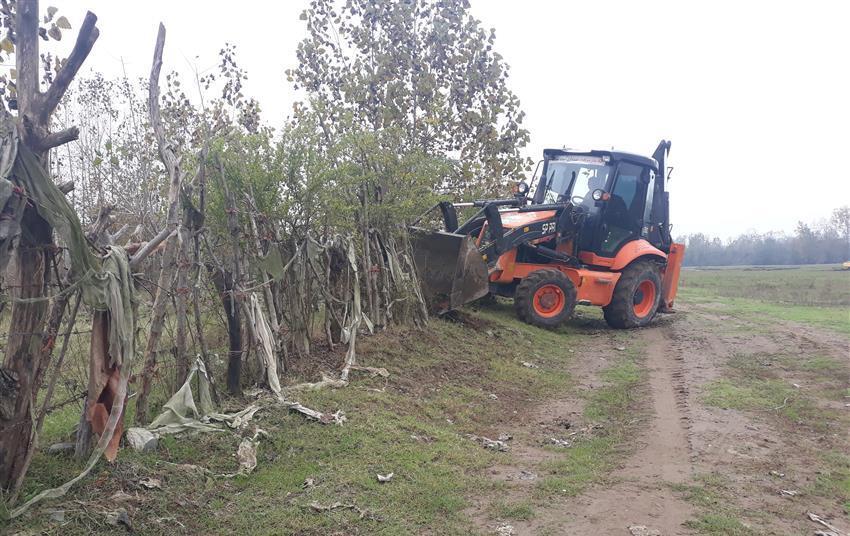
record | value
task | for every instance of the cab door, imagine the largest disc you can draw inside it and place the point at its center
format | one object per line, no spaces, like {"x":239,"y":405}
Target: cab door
{"x":624,"y":213}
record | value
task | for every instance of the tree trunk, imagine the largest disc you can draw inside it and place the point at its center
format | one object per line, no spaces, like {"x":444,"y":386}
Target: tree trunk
{"x":158,"y":309}
{"x":25,"y":347}
{"x":166,"y":153}
{"x":103,"y":389}
{"x":231,"y":292}
{"x":181,"y":307}
{"x":223,"y":282}
{"x":267,"y":290}
{"x":23,"y":350}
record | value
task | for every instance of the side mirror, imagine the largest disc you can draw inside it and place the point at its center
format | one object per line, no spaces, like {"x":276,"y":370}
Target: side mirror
{"x":521,"y":189}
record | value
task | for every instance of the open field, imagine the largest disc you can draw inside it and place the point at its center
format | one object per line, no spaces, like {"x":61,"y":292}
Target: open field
{"x":693,"y":426}
{"x":818,"y":295}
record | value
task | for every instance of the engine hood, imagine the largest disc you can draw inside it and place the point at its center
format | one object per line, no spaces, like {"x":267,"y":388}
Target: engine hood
{"x":512,"y":220}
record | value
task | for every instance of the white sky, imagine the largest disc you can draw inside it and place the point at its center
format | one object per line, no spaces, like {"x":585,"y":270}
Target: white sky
{"x":754,"y":95}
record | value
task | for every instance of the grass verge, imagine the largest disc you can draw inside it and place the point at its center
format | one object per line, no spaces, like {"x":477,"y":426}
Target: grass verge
{"x":416,"y":426}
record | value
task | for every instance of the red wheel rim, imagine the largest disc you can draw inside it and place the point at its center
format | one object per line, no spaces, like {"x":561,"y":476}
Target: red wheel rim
{"x":549,"y":300}
{"x":644,"y":298}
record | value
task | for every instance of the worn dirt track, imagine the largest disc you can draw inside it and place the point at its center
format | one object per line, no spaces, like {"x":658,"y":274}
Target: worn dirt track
{"x":679,"y":439}
{"x":642,"y":493}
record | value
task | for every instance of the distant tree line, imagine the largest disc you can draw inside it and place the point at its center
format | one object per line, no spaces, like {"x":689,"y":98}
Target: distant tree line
{"x":827,"y":241}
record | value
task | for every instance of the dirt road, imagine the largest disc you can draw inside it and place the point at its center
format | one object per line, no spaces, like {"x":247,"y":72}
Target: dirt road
{"x":736,"y":429}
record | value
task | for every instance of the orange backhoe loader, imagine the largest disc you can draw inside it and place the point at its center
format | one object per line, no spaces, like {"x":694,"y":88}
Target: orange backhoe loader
{"x":596,"y":231}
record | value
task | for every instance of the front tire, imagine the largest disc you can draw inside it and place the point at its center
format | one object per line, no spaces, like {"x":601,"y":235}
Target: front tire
{"x":546,"y":298}
{"x":636,"y":297}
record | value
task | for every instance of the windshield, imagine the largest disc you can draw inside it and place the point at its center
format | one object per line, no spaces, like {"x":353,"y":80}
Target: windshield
{"x":574,"y":180}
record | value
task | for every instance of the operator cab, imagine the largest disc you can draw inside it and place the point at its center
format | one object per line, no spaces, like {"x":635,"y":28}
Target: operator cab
{"x":620,"y":196}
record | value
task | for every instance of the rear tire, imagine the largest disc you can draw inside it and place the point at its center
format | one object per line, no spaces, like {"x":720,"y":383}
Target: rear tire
{"x":636,"y":297}
{"x":546,"y":298}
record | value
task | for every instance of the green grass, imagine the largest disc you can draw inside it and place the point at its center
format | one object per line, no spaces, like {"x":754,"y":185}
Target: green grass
{"x":761,"y":312}
{"x":590,"y":459}
{"x":774,"y":396}
{"x":833,"y":480}
{"x":756,"y":383}
{"x":814,"y":295}
{"x":583,"y":464}
{"x":718,"y":517}
{"x":520,"y":510}
{"x":417,"y":428}
{"x":720,"y":525}
{"x":818,"y":364}
{"x":817,"y":285}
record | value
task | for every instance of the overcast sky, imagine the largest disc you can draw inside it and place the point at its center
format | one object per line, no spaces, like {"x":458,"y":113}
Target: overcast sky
{"x":754,"y":95}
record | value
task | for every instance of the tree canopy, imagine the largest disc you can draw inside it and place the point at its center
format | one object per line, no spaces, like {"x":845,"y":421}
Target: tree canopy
{"x":425,"y":69}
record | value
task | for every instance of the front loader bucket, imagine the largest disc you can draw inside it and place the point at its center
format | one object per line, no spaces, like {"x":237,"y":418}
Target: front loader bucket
{"x":450,"y":267}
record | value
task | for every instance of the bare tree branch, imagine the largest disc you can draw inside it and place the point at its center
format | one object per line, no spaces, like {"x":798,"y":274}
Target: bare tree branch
{"x":56,"y":139}
{"x":166,"y":150}
{"x":26,"y":57}
{"x":85,"y":41}
{"x":149,"y":247}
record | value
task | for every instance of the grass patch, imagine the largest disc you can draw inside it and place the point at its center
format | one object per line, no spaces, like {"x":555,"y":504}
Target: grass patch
{"x":817,"y":364}
{"x":583,"y":464}
{"x":589,"y":459}
{"x":520,"y":510}
{"x":612,"y":402}
{"x":815,"y":295}
{"x":720,"y":525}
{"x":775,"y":396}
{"x":717,"y":517}
{"x":813,"y":285}
{"x":833,"y":318}
{"x":833,"y":480}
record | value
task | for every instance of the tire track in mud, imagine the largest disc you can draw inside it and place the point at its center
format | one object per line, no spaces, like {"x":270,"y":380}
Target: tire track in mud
{"x":752,"y":454}
{"x":642,"y":493}
{"x":684,"y":440}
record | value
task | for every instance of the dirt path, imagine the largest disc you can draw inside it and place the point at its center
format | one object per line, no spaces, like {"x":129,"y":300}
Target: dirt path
{"x":732,"y":457}
{"x":642,"y":495}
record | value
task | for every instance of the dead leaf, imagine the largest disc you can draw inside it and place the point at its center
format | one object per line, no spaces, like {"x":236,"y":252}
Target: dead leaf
{"x":151,"y":483}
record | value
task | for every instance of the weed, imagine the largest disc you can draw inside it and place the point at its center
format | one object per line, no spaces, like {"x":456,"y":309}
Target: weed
{"x":718,"y":516}
{"x":521,"y":510}
{"x":721,"y":525}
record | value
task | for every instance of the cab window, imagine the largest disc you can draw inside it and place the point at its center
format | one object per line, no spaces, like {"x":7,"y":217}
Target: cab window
{"x":624,"y":210}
